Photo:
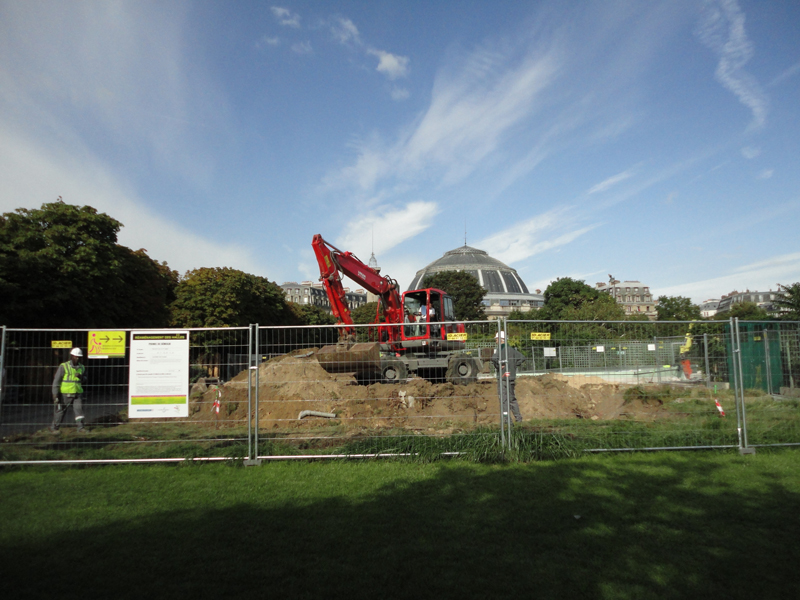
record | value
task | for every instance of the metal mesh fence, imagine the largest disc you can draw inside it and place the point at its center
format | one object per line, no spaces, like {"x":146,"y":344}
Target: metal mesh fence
{"x":363,"y":390}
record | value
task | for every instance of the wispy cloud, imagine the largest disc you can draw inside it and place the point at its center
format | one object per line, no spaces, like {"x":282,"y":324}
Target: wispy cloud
{"x":610,"y":182}
{"x":766,"y":174}
{"x":302,"y":48}
{"x":722,"y":30}
{"x":391,"y":65}
{"x":400,"y":93}
{"x":758,"y":276}
{"x":534,"y":236}
{"x":344,"y":31}
{"x":286,"y":17}
{"x":389,"y":225}
{"x":749,"y":152}
{"x":787,"y":74}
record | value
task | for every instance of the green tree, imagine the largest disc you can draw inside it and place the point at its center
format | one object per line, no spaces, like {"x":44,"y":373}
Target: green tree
{"x":465,"y":289}
{"x":225,"y":297}
{"x":790,"y":301}
{"x":572,"y":299}
{"x":744,"y":311}
{"x":677,"y":308}
{"x":308,"y":314}
{"x":365,"y":314}
{"x":61,"y":266}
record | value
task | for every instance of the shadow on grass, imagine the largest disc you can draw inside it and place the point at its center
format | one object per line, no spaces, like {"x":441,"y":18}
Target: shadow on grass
{"x":660,"y":526}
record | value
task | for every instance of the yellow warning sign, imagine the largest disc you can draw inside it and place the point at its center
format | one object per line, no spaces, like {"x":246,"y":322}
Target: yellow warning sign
{"x":456,"y":337}
{"x":538,"y":335}
{"x":61,"y":344}
{"x":106,"y":344}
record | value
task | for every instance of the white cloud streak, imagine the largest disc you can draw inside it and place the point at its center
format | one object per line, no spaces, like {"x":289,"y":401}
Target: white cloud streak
{"x":286,"y":17}
{"x":722,"y":30}
{"x":391,"y":65}
{"x":749,"y":152}
{"x":758,"y":276}
{"x":531,"y":237}
{"x":610,"y":182}
{"x":389,"y":226}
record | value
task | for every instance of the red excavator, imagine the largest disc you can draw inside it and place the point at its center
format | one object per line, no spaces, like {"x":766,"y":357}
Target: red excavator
{"x":414,"y":332}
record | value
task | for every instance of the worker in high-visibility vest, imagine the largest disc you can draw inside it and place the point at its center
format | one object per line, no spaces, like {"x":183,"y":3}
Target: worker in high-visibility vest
{"x":68,"y":384}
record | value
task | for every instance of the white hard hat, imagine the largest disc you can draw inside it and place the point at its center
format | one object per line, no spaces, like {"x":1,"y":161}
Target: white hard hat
{"x":77,"y":352}
{"x":501,"y":335}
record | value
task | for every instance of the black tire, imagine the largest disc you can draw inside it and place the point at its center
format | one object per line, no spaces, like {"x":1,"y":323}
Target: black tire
{"x":462,"y":370}
{"x":394,"y":370}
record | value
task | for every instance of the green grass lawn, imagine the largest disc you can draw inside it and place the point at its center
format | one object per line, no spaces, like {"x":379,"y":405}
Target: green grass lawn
{"x":658,"y":525}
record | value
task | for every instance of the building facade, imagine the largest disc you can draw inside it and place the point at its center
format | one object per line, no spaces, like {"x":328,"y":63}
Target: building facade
{"x":313,"y":294}
{"x":765,"y":300}
{"x":505,"y":290}
{"x":633,"y":296}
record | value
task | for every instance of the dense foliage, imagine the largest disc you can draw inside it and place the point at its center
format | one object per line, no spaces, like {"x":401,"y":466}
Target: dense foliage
{"x":572,"y":299}
{"x":744,"y":311}
{"x":225,"y":297}
{"x":61,"y":266}
{"x":677,"y":308}
{"x":366,"y":313}
{"x":465,"y":289}
{"x":791,"y":302}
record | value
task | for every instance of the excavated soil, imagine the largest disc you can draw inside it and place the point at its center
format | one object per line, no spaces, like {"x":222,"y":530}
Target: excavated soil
{"x":293,"y":383}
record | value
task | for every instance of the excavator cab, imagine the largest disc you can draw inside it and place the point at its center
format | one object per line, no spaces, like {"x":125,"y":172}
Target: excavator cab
{"x":429,"y":314}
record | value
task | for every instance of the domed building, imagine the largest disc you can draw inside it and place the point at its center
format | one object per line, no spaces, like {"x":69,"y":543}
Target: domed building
{"x":505,"y":290}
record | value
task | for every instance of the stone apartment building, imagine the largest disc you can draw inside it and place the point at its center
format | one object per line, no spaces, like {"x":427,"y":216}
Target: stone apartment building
{"x":633,"y":296}
{"x":312,"y":293}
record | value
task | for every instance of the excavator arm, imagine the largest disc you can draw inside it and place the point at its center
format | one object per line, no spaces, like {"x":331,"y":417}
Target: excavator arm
{"x":333,"y":262}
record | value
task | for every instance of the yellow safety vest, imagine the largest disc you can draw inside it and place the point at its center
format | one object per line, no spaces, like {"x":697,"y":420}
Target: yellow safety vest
{"x":71,"y":384}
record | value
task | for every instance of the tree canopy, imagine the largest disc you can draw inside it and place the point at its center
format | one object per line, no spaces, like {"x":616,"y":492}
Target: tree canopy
{"x":364,"y":314}
{"x":61,"y":266}
{"x":677,"y":308}
{"x":744,"y":311}
{"x":465,"y":290}
{"x":572,"y":299}
{"x":790,"y":302}
{"x":225,"y":297}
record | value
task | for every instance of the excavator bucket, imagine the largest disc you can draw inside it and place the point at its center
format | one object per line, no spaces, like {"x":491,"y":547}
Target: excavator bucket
{"x":350,"y":358}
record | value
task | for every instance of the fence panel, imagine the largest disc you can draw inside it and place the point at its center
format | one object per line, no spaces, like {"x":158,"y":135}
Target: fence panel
{"x":628,"y":384}
{"x":317,"y":395}
{"x":27,"y":411}
{"x":770,"y":352}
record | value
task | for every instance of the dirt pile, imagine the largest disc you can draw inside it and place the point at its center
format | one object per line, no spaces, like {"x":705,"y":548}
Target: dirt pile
{"x":296,"y":382}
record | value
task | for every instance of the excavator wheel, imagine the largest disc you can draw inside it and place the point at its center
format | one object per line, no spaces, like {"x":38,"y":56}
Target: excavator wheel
{"x":393,"y":370}
{"x":462,"y":370}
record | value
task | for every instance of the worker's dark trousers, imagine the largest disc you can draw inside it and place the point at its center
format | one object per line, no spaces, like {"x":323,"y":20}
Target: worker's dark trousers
{"x":67,"y":400}
{"x":502,"y":390}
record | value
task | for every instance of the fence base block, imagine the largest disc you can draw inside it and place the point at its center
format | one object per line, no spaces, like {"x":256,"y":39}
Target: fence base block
{"x":256,"y":462}
{"x":744,"y":451}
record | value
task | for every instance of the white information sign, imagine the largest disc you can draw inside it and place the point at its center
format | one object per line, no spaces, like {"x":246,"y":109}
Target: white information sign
{"x":601,"y":348}
{"x":651,"y":347}
{"x":159,"y":374}
{"x":549,"y":351}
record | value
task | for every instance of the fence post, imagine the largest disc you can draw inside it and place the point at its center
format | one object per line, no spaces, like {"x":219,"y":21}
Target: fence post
{"x":2,"y":367}
{"x":767,"y":362}
{"x":743,"y":448}
{"x":708,"y":369}
{"x":252,"y":365}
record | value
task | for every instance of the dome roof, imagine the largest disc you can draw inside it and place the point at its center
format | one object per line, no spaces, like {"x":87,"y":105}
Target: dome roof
{"x":495,"y":277}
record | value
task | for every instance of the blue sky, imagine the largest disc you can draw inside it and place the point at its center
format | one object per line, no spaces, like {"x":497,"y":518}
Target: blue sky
{"x":657,"y":141}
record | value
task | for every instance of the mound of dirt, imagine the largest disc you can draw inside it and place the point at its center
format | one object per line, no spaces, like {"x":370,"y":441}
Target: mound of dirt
{"x":293,"y":383}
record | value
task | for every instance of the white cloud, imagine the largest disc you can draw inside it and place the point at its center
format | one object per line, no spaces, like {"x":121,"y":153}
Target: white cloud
{"x":749,"y":152}
{"x":400,"y":94}
{"x":787,"y":74}
{"x":268,"y":41}
{"x":722,"y":30}
{"x":33,"y":175}
{"x":534,"y":236}
{"x":302,"y":48}
{"x":344,"y":31}
{"x":391,"y":65}
{"x":388,"y":226}
{"x":766,"y":174}
{"x":759,"y":276}
{"x":286,"y":17}
{"x":611,"y":181}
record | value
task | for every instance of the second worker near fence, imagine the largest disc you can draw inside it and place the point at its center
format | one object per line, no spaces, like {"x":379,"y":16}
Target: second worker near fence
{"x":506,"y":361}
{"x":68,"y":383}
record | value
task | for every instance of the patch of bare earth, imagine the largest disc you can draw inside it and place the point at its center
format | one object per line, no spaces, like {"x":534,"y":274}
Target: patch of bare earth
{"x":293,"y":383}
